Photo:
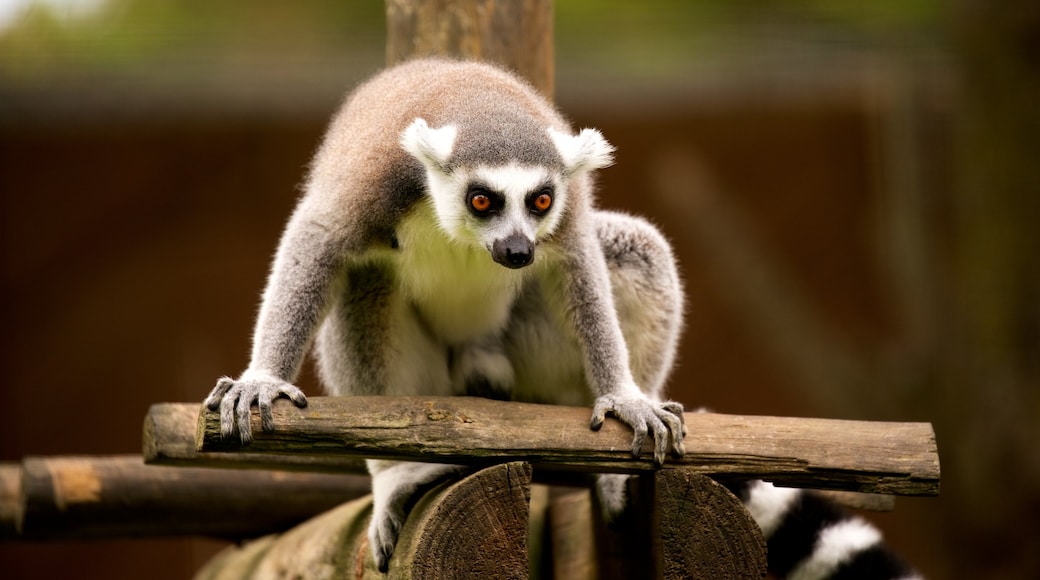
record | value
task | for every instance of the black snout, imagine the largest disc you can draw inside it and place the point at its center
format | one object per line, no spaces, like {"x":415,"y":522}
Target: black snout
{"x":516,"y":251}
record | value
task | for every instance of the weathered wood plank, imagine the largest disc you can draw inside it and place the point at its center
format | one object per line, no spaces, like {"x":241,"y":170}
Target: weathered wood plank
{"x":169,"y":439}
{"x":80,"y":497}
{"x":876,"y":457}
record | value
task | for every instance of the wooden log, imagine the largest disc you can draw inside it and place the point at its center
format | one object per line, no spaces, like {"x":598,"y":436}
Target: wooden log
{"x":875,"y":457}
{"x":515,"y":33}
{"x":11,"y":504}
{"x":472,"y":528}
{"x":570,"y":535}
{"x":684,"y":525}
{"x":119,"y":496}
{"x":704,"y":530}
{"x":169,"y":439}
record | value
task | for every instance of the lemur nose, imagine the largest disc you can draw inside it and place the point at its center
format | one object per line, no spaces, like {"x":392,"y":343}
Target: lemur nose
{"x":515,"y":251}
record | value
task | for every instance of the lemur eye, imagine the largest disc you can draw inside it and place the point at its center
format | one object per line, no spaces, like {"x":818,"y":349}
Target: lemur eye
{"x":483,"y":202}
{"x":541,"y":201}
{"x":480,"y":202}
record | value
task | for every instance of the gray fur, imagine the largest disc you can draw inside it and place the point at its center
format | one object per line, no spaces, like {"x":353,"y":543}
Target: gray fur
{"x":385,"y":267}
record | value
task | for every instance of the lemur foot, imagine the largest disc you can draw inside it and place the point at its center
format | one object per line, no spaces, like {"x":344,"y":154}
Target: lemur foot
{"x":396,"y":486}
{"x":664,"y":421}
{"x":612,"y":491}
{"x":234,"y":398}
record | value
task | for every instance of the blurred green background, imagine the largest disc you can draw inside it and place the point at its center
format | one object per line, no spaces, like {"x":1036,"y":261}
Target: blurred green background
{"x":852,"y":188}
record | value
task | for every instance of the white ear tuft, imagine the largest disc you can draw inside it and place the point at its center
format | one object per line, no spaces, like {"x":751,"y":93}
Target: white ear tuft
{"x":432,"y":147}
{"x":586,"y":151}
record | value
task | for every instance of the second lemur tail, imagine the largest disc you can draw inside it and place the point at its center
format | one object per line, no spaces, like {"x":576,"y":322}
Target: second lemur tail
{"x":809,"y":537}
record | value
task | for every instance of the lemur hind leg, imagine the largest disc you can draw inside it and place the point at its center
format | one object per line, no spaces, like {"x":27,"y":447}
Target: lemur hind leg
{"x":396,"y":486}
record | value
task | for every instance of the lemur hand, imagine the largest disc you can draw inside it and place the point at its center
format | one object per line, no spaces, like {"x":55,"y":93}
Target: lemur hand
{"x":663,"y":420}
{"x":234,"y":398}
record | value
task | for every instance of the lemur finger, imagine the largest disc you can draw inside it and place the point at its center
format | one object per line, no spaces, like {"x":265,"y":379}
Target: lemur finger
{"x":295,"y":395}
{"x":382,"y":537}
{"x":382,"y":551}
{"x":242,"y":409}
{"x":383,"y":560}
{"x":599,"y":414}
{"x":227,"y":413}
{"x":217,"y":394}
{"x":675,"y":431}
{"x":677,"y":410}
{"x":266,"y":419}
{"x":640,"y":429}
{"x":660,"y":439}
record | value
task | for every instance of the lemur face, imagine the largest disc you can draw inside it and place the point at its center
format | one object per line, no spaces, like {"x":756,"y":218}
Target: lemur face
{"x":506,"y":209}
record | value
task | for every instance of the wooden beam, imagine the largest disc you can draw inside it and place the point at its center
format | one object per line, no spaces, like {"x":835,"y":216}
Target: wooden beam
{"x":695,"y":529}
{"x":169,"y":439}
{"x":81,"y":497}
{"x":875,"y":457}
{"x":11,"y":504}
{"x":515,"y":33}
{"x":471,"y":528}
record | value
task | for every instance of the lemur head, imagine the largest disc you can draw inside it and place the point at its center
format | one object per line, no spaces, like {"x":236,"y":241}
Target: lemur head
{"x":503,"y":205}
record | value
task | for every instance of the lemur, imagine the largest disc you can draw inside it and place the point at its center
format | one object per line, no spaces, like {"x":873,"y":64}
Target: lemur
{"x":448,"y":244}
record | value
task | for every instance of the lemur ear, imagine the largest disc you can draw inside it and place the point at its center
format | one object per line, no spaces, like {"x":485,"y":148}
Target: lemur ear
{"x":432,"y":147}
{"x":586,"y":151}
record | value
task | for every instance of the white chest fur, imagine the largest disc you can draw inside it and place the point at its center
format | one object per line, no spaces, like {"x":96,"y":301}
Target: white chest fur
{"x":458,"y":289}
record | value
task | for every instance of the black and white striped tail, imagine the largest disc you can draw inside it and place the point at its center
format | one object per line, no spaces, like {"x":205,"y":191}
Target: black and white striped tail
{"x":811,"y":538}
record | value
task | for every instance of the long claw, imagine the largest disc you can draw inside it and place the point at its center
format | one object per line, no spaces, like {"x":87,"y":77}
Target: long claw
{"x":599,"y":415}
{"x":638,"y":439}
{"x":662,"y":421}
{"x":235,"y":399}
{"x":212,"y":402}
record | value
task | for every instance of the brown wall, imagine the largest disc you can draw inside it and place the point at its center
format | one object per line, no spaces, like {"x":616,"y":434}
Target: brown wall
{"x":134,"y":255}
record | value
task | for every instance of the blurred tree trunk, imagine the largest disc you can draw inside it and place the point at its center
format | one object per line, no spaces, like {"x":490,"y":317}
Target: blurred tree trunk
{"x":991,"y":374}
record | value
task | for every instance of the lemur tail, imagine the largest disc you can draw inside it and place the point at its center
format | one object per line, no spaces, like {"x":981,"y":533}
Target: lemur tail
{"x":811,"y":538}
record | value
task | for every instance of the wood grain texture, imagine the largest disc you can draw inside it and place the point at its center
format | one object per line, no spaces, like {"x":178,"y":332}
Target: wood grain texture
{"x":475,"y":527}
{"x":683,"y":525}
{"x":875,"y":457}
{"x":168,"y":438}
{"x":83,"y":497}
{"x":704,"y":530}
{"x":515,"y":33}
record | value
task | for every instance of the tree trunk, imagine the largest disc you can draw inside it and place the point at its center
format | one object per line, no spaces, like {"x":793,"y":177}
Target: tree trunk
{"x":515,"y":33}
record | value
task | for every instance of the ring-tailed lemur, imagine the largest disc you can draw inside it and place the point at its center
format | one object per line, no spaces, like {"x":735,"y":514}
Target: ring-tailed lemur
{"x":810,"y":538}
{"x":448,"y":244}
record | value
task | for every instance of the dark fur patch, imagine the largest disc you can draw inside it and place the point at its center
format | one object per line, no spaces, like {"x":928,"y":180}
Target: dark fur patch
{"x":481,"y":387}
{"x":876,"y":562}
{"x":796,"y":537}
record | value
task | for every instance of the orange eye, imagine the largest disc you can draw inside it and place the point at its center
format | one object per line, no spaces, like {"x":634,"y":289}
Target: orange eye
{"x":480,"y":202}
{"x":543,"y":202}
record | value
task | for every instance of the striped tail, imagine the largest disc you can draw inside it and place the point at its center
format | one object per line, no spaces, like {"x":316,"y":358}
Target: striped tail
{"x":811,"y":538}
